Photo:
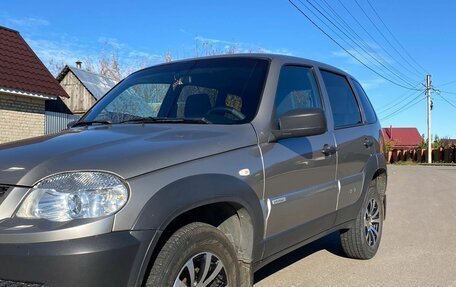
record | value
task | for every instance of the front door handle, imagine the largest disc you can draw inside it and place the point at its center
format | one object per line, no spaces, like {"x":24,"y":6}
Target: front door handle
{"x":328,"y":150}
{"x":367,"y":142}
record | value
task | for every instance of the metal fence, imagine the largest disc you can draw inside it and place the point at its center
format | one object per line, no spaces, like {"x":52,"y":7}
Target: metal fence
{"x":55,"y":122}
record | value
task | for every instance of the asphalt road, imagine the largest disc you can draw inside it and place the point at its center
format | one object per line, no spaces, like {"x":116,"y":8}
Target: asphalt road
{"x":418,"y":247}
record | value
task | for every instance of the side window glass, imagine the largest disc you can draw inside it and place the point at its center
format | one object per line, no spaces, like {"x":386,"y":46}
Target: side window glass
{"x":343,"y":103}
{"x":369,"y":112}
{"x":297,"y":89}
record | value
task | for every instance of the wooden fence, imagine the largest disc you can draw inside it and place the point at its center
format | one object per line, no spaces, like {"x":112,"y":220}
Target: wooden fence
{"x":443,"y":155}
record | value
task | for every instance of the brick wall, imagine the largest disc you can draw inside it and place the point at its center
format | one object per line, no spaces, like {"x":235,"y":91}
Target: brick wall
{"x":20,"y":117}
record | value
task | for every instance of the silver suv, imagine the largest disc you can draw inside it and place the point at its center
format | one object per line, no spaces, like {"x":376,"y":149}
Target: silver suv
{"x":195,"y":173}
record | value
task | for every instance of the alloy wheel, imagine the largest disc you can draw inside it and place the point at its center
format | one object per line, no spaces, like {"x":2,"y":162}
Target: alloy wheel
{"x":203,"y":269}
{"x":372,"y":222}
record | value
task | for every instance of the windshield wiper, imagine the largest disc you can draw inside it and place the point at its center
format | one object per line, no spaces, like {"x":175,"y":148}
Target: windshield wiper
{"x":168,"y":120}
{"x":140,"y":120}
{"x":184,"y":120}
{"x":89,"y":123}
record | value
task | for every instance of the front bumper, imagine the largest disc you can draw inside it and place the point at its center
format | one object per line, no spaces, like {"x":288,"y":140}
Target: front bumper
{"x":112,"y":259}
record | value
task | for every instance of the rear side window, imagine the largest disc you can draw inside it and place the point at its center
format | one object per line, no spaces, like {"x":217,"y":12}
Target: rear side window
{"x":369,"y":112}
{"x":343,"y":103}
{"x":297,"y":89}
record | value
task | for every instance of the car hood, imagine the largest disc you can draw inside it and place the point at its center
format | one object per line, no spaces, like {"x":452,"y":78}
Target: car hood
{"x":128,"y":150}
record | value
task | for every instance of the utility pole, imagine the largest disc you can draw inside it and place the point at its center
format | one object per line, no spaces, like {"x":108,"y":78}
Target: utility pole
{"x":428,"y":93}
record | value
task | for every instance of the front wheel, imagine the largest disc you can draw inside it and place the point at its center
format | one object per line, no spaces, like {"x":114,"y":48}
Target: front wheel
{"x":197,"y":254}
{"x":363,"y":239}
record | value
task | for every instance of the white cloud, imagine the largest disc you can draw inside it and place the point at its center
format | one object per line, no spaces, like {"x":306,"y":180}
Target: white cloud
{"x":372,"y":84}
{"x":142,"y":54}
{"x":221,"y":45}
{"x":372,"y":58}
{"x":26,"y":22}
{"x":111,"y":42}
{"x":57,"y":51}
{"x":214,"y":41}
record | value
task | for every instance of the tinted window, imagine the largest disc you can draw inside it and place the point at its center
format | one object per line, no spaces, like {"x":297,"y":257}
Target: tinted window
{"x":369,"y":112}
{"x":343,"y":102}
{"x":297,"y":89}
{"x":222,"y":91}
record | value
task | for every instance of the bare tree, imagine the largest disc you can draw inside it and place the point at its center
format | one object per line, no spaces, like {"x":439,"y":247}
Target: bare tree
{"x":110,"y":67}
{"x":55,"y":67}
{"x":110,"y":64}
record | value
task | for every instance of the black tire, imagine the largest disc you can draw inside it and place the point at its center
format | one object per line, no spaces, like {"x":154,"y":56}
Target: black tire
{"x":195,"y":242}
{"x":358,"y":241}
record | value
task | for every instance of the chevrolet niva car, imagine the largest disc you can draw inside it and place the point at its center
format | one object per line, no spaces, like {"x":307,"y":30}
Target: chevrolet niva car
{"x":195,"y":173}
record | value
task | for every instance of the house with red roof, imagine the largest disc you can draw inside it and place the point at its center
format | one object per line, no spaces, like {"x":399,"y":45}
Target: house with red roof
{"x":403,"y":138}
{"x":25,"y":85}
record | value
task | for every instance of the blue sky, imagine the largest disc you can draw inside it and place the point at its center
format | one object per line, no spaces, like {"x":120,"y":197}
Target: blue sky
{"x":144,"y":31}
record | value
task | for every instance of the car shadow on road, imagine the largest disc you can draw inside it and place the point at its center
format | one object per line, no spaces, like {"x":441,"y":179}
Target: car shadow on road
{"x":330,"y":243}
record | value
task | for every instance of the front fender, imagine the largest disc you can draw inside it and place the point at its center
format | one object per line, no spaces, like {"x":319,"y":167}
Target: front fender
{"x":196,"y":191}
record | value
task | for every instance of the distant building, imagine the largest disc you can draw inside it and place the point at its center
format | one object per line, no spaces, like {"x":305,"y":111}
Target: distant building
{"x":25,"y":85}
{"x":84,"y":88}
{"x":403,"y":138}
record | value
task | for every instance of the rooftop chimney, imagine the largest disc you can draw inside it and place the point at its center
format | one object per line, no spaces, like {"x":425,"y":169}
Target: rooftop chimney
{"x":78,"y":64}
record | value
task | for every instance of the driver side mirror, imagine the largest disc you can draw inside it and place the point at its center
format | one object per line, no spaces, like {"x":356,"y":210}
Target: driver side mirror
{"x":301,"y":123}
{"x":70,"y":124}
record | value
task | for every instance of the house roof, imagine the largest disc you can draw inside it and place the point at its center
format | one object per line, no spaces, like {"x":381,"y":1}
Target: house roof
{"x":96,"y":84}
{"x":403,"y":137}
{"x":21,"y":71}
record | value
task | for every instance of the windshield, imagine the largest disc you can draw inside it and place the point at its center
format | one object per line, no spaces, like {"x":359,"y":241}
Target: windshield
{"x":218,"y":91}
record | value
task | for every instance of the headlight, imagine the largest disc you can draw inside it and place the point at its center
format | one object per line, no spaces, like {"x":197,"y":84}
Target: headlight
{"x":73,"y":195}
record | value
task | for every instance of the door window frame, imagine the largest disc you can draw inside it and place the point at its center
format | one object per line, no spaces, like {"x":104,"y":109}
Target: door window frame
{"x":352,"y":82}
{"x":347,"y":79}
{"x":316,"y":79}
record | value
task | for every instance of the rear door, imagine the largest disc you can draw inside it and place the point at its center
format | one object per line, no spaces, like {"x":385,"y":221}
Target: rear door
{"x":354,"y":146}
{"x":300,"y":184}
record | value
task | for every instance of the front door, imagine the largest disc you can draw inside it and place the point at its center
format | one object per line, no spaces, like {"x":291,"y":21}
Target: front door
{"x":300,"y":184}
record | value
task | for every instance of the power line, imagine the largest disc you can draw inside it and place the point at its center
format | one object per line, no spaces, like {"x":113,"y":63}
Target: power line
{"x":360,"y":42}
{"x":394,"y":37}
{"x":343,"y":48}
{"x":404,"y":107}
{"x":384,"y":37}
{"x":393,"y":104}
{"x":447,"y":92}
{"x":350,"y":38}
{"x":447,"y":83}
{"x":446,"y":100}
{"x":397,"y":100}
{"x":375,"y":40}
{"x":403,"y":110}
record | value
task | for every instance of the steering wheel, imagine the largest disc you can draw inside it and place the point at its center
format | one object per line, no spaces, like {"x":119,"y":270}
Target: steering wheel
{"x":219,"y":110}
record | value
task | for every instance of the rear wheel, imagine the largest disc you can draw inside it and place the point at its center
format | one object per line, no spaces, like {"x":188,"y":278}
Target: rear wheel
{"x":363,"y":239}
{"x":197,"y":254}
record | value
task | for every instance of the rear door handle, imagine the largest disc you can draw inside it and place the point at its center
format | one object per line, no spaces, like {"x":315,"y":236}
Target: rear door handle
{"x":368,"y":142}
{"x":328,"y":150}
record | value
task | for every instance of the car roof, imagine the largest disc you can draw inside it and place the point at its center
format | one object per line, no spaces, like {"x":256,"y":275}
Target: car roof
{"x":281,"y":59}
